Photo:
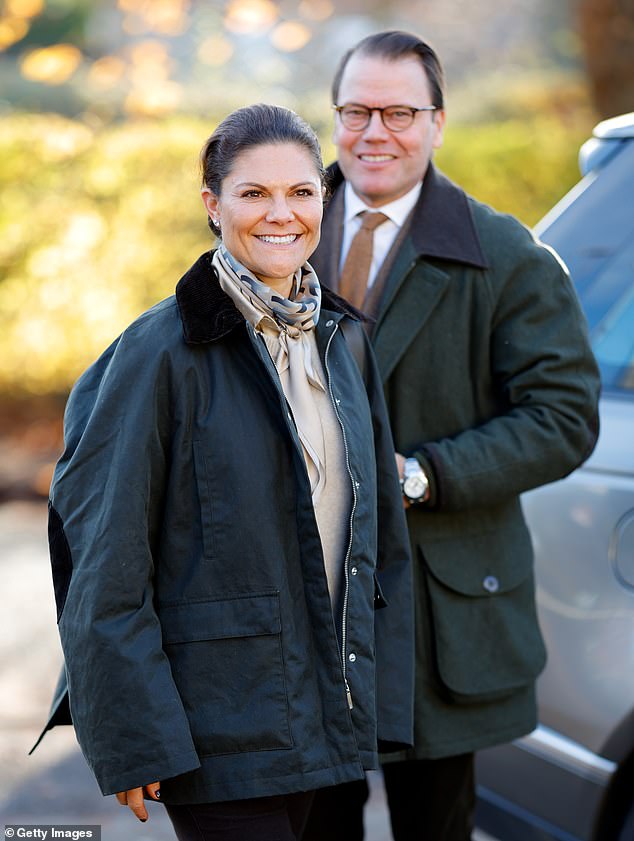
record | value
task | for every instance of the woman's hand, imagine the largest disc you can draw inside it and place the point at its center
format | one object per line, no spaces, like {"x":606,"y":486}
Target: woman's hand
{"x":133,"y":798}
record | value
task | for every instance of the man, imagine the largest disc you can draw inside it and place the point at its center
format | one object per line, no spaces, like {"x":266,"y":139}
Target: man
{"x":492,"y":390}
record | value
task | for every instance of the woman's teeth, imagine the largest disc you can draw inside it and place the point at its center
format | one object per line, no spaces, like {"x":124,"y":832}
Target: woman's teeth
{"x":276,"y":240}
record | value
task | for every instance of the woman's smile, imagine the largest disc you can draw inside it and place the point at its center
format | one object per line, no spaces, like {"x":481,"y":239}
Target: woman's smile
{"x":278,"y":239}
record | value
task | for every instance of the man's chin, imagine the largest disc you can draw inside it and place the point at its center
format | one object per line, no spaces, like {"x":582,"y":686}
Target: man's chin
{"x":373,"y":194}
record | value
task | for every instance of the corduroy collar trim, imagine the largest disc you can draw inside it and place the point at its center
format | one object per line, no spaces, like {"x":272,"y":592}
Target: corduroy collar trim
{"x":208,"y":313}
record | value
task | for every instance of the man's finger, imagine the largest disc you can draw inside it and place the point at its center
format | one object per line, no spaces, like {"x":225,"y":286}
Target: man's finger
{"x":122,"y":797}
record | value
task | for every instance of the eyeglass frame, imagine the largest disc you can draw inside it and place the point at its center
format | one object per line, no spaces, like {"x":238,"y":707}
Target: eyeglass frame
{"x":410,"y":108}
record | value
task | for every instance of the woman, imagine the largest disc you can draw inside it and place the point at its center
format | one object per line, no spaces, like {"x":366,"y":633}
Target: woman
{"x":214,"y":518}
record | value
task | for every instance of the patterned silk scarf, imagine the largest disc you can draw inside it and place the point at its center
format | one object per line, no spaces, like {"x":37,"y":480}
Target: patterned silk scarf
{"x":285,"y":325}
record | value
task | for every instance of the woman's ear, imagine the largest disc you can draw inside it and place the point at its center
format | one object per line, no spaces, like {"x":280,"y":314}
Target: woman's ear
{"x":211,"y":202}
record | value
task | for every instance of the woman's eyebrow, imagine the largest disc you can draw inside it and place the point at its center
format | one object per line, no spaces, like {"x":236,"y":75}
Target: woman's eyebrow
{"x":264,"y":186}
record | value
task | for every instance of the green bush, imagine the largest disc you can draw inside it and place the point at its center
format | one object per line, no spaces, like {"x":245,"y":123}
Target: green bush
{"x":95,"y":226}
{"x":517,"y":167}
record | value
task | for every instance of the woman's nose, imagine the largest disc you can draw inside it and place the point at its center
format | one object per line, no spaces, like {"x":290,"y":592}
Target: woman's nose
{"x":279,"y":211}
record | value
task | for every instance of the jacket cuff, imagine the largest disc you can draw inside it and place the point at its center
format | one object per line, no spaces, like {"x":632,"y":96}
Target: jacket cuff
{"x":150,"y":773}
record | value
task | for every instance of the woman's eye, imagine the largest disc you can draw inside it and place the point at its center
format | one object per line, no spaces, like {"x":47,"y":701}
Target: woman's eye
{"x":251,"y":194}
{"x":305,"y":191}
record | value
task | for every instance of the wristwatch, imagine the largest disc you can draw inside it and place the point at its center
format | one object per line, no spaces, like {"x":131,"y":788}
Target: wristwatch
{"x":414,"y":484}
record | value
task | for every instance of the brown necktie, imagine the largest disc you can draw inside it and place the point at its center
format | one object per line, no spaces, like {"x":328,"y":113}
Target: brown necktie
{"x":354,"y":276}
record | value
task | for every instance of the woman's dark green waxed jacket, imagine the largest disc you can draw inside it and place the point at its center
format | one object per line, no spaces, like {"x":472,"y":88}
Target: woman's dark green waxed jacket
{"x":200,"y":645}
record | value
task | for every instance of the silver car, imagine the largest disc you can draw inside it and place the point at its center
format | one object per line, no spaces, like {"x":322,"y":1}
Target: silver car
{"x":572,"y":779}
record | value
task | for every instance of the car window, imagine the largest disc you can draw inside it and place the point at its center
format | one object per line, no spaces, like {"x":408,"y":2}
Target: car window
{"x":608,"y":301}
{"x":594,"y":234}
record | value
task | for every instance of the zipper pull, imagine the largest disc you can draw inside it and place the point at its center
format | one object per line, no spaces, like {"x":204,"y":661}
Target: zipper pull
{"x":348,"y":695}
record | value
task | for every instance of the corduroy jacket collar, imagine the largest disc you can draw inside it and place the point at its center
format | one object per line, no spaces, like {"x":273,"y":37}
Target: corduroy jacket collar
{"x":208,"y":313}
{"x":442,"y":225}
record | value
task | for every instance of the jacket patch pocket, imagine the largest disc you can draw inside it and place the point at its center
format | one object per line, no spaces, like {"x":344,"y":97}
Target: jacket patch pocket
{"x":61,"y":559}
{"x":486,"y":638}
{"x":227,"y":662}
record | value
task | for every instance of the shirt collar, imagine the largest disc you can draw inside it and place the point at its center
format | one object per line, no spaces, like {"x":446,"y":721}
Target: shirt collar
{"x":397,"y":210}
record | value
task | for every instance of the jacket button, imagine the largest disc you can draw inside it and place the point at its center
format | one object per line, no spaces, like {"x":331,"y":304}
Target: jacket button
{"x":352,"y":657}
{"x":330,"y":322}
{"x":354,"y":571}
{"x":491,"y":584}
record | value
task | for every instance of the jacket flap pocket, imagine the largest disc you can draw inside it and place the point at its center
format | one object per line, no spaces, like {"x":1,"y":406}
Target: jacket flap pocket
{"x":250,"y":615}
{"x":485,"y":648}
{"x":463,"y":570}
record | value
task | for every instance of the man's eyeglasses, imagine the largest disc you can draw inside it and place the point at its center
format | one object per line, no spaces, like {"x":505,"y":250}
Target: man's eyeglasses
{"x":394,"y":117}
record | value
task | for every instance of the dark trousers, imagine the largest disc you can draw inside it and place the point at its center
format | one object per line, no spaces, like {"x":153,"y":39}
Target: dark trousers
{"x":279,"y":818}
{"x":431,"y":799}
{"x":428,"y":800}
{"x":337,"y":813}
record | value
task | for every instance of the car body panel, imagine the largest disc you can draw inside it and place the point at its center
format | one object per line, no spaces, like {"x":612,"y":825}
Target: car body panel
{"x":552,"y":784}
{"x":525,"y":797}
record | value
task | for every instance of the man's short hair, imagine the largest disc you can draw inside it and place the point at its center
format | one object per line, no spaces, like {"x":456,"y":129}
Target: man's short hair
{"x":394,"y":45}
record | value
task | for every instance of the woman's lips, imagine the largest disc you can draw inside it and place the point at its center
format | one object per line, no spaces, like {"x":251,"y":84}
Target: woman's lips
{"x":277,"y":239}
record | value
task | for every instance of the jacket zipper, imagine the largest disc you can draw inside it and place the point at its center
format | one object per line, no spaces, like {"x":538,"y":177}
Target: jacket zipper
{"x":346,"y":573}
{"x":352,"y":511}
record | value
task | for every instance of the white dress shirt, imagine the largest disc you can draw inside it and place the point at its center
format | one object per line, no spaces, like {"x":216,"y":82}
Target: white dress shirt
{"x":385,"y":234}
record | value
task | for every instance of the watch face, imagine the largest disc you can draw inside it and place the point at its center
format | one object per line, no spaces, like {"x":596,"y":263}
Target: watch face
{"x":414,"y":487}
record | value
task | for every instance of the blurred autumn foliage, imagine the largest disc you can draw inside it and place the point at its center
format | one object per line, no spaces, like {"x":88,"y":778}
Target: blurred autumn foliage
{"x":106,"y":105}
{"x":96,"y":225}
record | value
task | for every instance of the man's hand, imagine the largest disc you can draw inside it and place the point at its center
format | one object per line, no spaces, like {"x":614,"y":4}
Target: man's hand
{"x":133,"y":798}
{"x":400,"y":466}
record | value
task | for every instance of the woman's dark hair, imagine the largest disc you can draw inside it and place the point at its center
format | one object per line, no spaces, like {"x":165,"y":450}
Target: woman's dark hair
{"x":254,"y":125}
{"x":392,"y":46}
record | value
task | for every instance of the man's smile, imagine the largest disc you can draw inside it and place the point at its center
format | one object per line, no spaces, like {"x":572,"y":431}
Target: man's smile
{"x":367,"y":158}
